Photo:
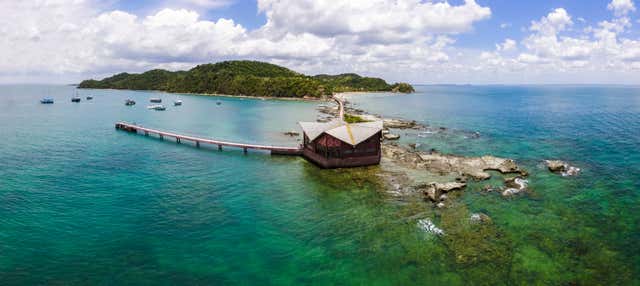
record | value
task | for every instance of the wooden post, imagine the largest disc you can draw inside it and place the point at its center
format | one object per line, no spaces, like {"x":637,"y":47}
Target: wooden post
{"x":161,"y":136}
{"x":177,"y":140}
{"x":146,"y":133}
{"x":219,"y":147}
{"x":245,"y":150}
{"x":198,"y":144}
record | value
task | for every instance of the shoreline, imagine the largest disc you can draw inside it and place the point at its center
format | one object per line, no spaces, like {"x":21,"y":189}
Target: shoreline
{"x":307,"y":99}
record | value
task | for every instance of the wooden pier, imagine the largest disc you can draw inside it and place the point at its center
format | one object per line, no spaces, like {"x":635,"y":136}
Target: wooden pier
{"x":276,"y":150}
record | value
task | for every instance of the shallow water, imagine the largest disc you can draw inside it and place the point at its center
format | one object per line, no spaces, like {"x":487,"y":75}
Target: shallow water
{"x":81,"y":203}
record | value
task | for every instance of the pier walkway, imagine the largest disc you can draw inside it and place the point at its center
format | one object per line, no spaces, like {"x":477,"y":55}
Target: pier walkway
{"x":279,"y":150}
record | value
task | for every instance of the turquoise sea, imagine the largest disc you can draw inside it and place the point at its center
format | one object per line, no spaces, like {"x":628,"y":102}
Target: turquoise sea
{"x":84,"y":204}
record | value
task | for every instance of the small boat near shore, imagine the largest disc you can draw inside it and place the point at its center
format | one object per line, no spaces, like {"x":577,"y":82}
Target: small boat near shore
{"x":129,"y":102}
{"x":89,"y":97}
{"x":158,"y":107}
{"x":76,"y":99}
{"x":177,"y":103}
{"x":155,"y":100}
{"x":46,"y":100}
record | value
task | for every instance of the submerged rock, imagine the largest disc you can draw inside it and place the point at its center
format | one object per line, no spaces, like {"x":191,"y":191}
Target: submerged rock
{"x":561,"y":167}
{"x":428,"y":226}
{"x":514,"y":186}
{"x":479,"y":218}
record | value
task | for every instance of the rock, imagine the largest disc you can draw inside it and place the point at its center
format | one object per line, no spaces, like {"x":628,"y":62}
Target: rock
{"x":292,"y":133}
{"x":435,"y":191}
{"x":385,"y":131}
{"x":390,"y":136}
{"x":571,"y":171}
{"x":440,"y":205}
{"x":447,"y":187}
{"x":434,"y":162}
{"x":428,"y":226}
{"x":510,"y":192}
{"x":443,"y":197}
{"x":556,"y":165}
{"x":399,"y":124}
{"x":514,"y":186}
{"x":414,"y":146}
{"x":561,"y":167}
{"x":431,"y":192}
{"x":479,"y":218}
{"x":488,"y":188}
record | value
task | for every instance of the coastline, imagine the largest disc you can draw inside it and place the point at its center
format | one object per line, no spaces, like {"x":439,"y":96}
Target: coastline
{"x":306,"y":99}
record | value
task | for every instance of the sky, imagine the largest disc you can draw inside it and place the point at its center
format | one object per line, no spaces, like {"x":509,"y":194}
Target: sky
{"x":416,"y":41}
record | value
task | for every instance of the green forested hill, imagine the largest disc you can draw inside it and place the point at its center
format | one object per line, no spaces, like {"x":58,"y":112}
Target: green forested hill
{"x":249,"y":78}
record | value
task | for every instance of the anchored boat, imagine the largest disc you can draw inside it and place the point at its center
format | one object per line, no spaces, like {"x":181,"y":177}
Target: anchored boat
{"x":129,"y":102}
{"x":177,"y":102}
{"x":158,"y":107}
{"x":75,"y":99}
{"x":46,"y":100}
{"x":89,"y":97}
{"x":155,"y":100}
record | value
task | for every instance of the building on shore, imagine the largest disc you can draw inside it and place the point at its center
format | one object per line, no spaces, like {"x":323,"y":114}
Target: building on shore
{"x":337,"y":144}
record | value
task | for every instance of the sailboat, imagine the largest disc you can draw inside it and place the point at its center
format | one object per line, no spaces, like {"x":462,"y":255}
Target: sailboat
{"x":76,"y":98}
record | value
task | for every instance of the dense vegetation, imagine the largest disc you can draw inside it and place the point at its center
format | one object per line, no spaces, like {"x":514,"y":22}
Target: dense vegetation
{"x":249,"y":78}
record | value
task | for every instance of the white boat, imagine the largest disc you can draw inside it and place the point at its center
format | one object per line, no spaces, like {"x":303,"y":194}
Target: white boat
{"x":159,"y":107}
{"x":177,"y":102}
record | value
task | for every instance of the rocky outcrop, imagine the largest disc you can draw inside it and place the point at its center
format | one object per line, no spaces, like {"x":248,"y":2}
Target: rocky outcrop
{"x":473,"y":167}
{"x":436,"y":191}
{"x":328,"y":112}
{"x":400,"y":124}
{"x":389,"y":136}
{"x":561,"y":167}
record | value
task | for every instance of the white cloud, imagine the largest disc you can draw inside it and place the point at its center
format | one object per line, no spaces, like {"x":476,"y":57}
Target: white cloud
{"x":407,"y":40}
{"x":380,"y":21}
{"x":621,"y":7}
{"x":507,"y":46}
{"x":505,"y":25}
{"x":207,"y":3}
{"x":556,"y":21}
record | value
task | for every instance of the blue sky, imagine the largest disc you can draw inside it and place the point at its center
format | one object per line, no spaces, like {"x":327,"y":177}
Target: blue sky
{"x":517,"y":15}
{"x":459,"y":41}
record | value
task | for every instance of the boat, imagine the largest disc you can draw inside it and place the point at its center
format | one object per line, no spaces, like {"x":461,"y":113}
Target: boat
{"x":46,"y":100}
{"x":177,"y":102}
{"x":89,"y":97}
{"x":155,"y":100}
{"x":158,"y":107}
{"x":218,"y":103}
{"x":129,"y":102}
{"x":75,"y":99}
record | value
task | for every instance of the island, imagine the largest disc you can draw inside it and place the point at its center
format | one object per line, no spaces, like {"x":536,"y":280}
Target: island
{"x":246,"y":78}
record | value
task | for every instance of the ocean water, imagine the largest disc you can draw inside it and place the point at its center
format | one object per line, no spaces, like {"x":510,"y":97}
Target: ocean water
{"x":82,"y":203}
